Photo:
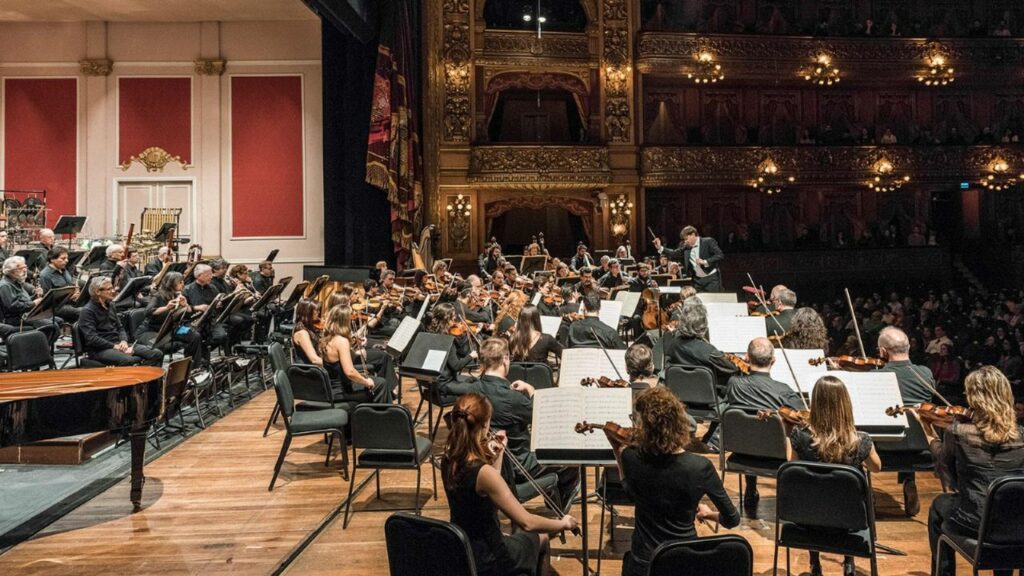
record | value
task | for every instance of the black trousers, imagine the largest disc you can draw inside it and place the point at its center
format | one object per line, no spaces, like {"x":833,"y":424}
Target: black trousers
{"x":191,"y":343}
{"x":140,"y":355}
{"x":712,"y":283}
{"x":942,"y":508}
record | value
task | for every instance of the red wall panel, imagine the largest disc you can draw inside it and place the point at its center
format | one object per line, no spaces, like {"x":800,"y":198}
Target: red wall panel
{"x":266,"y":156}
{"x":155,"y":112}
{"x":41,"y":139}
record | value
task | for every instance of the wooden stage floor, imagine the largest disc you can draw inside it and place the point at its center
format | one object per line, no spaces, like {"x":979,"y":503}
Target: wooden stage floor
{"x":207,"y":511}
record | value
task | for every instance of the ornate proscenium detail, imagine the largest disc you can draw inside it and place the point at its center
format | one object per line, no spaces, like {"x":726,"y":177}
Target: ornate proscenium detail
{"x":154,"y":159}
{"x":209,"y":66}
{"x":528,"y":167}
{"x":459,"y":210}
{"x":457,"y":73}
{"x":621,"y":209}
{"x":96,"y":66}
{"x":618,"y":72}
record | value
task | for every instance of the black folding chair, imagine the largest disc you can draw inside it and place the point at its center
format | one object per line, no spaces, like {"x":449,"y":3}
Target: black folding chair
{"x":419,"y":546}
{"x":695,"y":387}
{"x":536,"y":374}
{"x":726,"y":555}
{"x":1000,"y":541}
{"x":29,"y":350}
{"x":78,"y":351}
{"x":175,"y":389}
{"x":756,"y":447}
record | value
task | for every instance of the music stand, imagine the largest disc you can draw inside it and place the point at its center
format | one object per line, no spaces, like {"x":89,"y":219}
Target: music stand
{"x":234,"y":304}
{"x":297,"y":293}
{"x":96,"y":256}
{"x":269,"y":296}
{"x":627,"y":262}
{"x":284,"y":282}
{"x":75,"y":257}
{"x":132,"y":288}
{"x":85,"y":297}
{"x":165,"y":229}
{"x":684,"y":281}
{"x":171,"y":322}
{"x":567,"y":280}
{"x":515,"y":260}
{"x":533,"y":264}
{"x":69,"y":225}
{"x":34,"y":257}
{"x":200,"y":324}
{"x":272,"y":255}
{"x":50,"y":302}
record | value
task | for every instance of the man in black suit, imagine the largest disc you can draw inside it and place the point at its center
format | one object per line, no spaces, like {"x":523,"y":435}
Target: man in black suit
{"x":700,"y":256}
{"x":581,"y":332}
{"x":783,"y":302}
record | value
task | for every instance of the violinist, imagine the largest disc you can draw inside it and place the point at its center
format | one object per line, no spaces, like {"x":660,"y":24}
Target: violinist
{"x":758,"y":391}
{"x":581,"y":259}
{"x":581,"y":332}
{"x":806,"y":331}
{"x":613,"y":278}
{"x":562,"y":270}
{"x":529,"y":344}
{"x":586,"y":281}
{"x":57,"y":275}
{"x":971,"y":455}
{"x":689,"y":346}
{"x":783,"y":301}
{"x":490,"y":260}
{"x":665,"y":481}
{"x":497,"y":283}
{"x":168,"y":299}
{"x":336,"y":350}
{"x":551,"y":295}
{"x":471,"y":473}
{"x":830,"y":436}
{"x":470,"y":303}
{"x":444,"y":320}
{"x":305,"y":334}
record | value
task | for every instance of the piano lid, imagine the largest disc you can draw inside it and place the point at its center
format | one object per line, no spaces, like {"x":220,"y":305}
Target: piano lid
{"x":29,"y":385}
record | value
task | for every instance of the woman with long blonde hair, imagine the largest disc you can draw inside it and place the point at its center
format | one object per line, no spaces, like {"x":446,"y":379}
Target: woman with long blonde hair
{"x":470,"y":470}
{"x":830,"y":436}
{"x":336,"y":350}
{"x":970,"y":456}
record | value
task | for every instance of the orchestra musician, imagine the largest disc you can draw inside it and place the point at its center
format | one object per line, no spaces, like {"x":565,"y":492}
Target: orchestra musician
{"x":17,"y":297}
{"x":469,"y":305}
{"x":336,"y":350}
{"x":529,"y":343}
{"x":970,"y":456}
{"x":4,"y":254}
{"x":830,"y":436}
{"x":56,"y":275}
{"x":239,"y":278}
{"x":200,"y":294}
{"x":581,"y":332}
{"x":305,"y":335}
{"x":701,"y":256}
{"x":586,"y":282}
{"x":471,"y":473}
{"x":461,"y":354}
{"x":665,"y":481}
{"x":640,"y":369}
{"x":613,"y":278}
{"x":156,"y":264}
{"x":219,"y":267}
{"x":168,"y":299}
{"x":490,"y":260}
{"x":642,"y":280}
{"x":581,"y":259}
{"x":783,"y":301}
{"x":264,"y":279}
{"x":103,"y":336}
{"x":114,"y":254}
{"x":806,"y":331}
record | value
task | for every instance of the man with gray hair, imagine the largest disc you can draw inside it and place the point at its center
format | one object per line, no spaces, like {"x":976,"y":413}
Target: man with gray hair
{"x":916,"y":385}
{"x":200,"y":294}
{"x":783,"y":301}
{"x":17,"y":298}
{"x":115,"y":254}
{"x":759,"y":391}
{"x":104,"y":339}
{"x":155,"y":265}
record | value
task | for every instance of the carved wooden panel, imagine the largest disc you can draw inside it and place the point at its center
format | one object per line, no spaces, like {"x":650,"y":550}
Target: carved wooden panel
{"x":838,"y":110}
{"x":895,"y":111}
{"x":780,"y":116}
{"x":954,"y":117}
{"x":664,"y":118}
{"x":721,"y":116}
{"x":1007,"y":113}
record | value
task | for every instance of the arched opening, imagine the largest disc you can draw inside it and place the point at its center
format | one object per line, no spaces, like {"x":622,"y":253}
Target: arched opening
{"x":537,"y":108}
{"x":564,"y":221}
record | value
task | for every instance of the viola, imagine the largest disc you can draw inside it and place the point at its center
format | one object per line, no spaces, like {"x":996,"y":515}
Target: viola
{"x":742,"y":365}
{"x":616,"y":434}
{"x":934,"y":414}
{"x":788,"y":415}
{"x":652,"y":317}
{"x":604,"y":382}
{"x":851,"y":363}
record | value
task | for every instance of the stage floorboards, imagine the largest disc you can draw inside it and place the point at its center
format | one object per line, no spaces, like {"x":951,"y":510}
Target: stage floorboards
{"x":207,"y":511}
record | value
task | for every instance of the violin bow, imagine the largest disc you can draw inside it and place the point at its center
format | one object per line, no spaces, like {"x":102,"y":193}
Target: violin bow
{"x":607,"y":355}
{"x":796,"y":381}
{"x":532,"y":482}
{"x":856,"y":325}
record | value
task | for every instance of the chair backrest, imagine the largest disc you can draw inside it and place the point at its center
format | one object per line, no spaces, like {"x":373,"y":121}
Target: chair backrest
{"x":278,"y":359}
{"x":29,"y":350}
{"x":693,"y":385}
{"x":1001,"y":535}
{"x":828,"y":496}
{"x":743,"y":433}
{"x":285,"y":398}
{"x":133,"y":319}
{"x":76,"y":340}
{"x":175,"y":385}
{"x":383,"y":427}
{"x":310,"y":383}
{"x":421,"y":546}
{"x":537,"y":374}
{"x":726,"y":555}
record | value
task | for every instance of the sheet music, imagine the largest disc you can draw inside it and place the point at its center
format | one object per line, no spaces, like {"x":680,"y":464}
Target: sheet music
{"x":871,"y":393}
{"x":610,"y":312}
{"x":434,"y":360}
{"x":734,"y":333}
{"x":725,"y":308}
{"x":423,"y":309}
{"x":629,"y":300}
{"x":580,"y":363}
{"x":556,"y":411}
{"x":725,"y":297}
{"x":399,"y":341}
{"x":536,"y":298}
{"x":806,"y":373}
{"x":549,"y":324}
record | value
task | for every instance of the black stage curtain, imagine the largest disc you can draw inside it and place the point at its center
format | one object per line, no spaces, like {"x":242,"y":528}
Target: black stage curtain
{"x":357,"y":218}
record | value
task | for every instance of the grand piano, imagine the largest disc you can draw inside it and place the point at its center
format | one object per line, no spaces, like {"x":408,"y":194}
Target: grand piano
{"x":56,"y":403}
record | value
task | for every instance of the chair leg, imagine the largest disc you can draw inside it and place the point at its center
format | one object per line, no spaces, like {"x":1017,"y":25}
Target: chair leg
{"x":775,"y":562}
{"x":181,"y":419}
{"x":330,"y":444}
{"x":342,"y":444}
{"x":874,"y":563}
{"x":273,"y":418}
{"x":433,"y":472}
{"x":348,"y":501}
{"x":376,"y":474}
{"x":419,"y":472}
{"x":280,"y":460}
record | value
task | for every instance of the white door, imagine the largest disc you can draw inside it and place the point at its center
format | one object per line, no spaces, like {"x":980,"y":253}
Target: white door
{"x":134,"y":197}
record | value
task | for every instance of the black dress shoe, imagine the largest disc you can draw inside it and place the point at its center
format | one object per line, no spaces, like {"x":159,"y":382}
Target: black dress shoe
{"x":911,"y":503}
{"x":751,"y":498}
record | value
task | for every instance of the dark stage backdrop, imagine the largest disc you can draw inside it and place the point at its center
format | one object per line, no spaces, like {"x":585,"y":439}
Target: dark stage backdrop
{"x":356,"y":215}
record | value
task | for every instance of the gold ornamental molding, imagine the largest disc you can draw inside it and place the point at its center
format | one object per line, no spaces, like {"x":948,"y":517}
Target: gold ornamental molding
{"x":525,"y":44}
{"x":618,"y":72}
{"x":667,"y":166}
{"x":154,"y":159}
{"x":210,"y":66}
{"x":539,"y":168}
{"x":96,"y":66}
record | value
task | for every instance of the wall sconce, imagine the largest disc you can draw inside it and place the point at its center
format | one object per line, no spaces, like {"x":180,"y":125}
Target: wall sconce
{"x":459,"y":210}
{"x":939,"y":72}
{"x":769,"y":180}
{"x":621,"y":209}
{"x":1000,"y":178}
{"x":886,"y":179}
{"x":822,"y":72}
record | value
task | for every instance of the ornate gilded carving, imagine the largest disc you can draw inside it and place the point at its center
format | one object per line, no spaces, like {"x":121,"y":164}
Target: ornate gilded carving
{"x":456,"y":6}
{"x":209,"y":66}
{"x":618,"y":73}
{"x":614,"y":10}
{"x":459,"y":210}
{"x":560,"y":166}
{"x":835,"y":164}
{"x":457,"y":73}
{"x":154,"y":159}
{"x":522,"y":43}
{"x":96,"y":67}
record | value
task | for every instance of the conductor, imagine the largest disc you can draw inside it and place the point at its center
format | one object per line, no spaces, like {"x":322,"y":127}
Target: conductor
{"x":700,"y":256}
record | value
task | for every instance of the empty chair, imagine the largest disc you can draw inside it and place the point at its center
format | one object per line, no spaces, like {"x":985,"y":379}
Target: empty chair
{"x":695,"y":387}
{"x":999,"y":544}
{"x":328,"y":421}
{"x":419,"y":546}
{"x":29,"y":350}
{"x":727,"y":555}
{"x":756,"y":447}
{"x":385,"y":434}
{"x":536,"y":374}
{"x":175,"y":388}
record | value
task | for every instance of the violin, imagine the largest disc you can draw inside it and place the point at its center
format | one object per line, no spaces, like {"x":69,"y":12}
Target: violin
{"x":460,"y":329}
{"x":764,"y":314}
{"x":616,"y":434}
{"x":851,"y":363}
{"x":604,"y":382}
{"x":742,"y":365}
{"x":553,"y":299}
{"x":788,"y":415}
{"x":573,"y":316}
{"x":934,"y":414}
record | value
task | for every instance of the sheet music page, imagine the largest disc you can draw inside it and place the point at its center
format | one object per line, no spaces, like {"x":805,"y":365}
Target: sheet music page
{"x":871,"y":393}
{"x":580,"y":363}
{"x":556,"y":411}
{"x":807,"y":374}
{"x":549,"y":324}
{"x":434,"y":360}
{"x":734,"y":333}
{"x":726,"y":297}
{"x":403,"y":334}
{"x":725,"y":308}
{"x":670,"y":289}
{"x":629,"y":301}
{"x":610,"y":312}
{"x":536,"y":298}
{"x":423,"y":309}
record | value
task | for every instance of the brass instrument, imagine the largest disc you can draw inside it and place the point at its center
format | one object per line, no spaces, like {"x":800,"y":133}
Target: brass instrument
{"x":195,"y":255}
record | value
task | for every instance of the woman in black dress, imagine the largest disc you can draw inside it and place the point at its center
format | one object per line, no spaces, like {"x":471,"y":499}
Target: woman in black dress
{"x":529,"y":344}
{"x":665,"y":481}
{"x":831,"y":437}
{"x":336,"y":348}
{"x":168,"y":299}
{"x":305,"y":335}
{"x":470,"y":470}
{"x":972,"y":455}
{"x":461,"y":354}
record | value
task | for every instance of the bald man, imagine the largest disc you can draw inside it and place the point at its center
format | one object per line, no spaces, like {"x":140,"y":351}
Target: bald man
{"x":916,"y":383}
{"x":759,"y":391}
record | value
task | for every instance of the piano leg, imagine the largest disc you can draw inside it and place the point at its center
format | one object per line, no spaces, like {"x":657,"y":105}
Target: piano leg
{"x":138,"y":442}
